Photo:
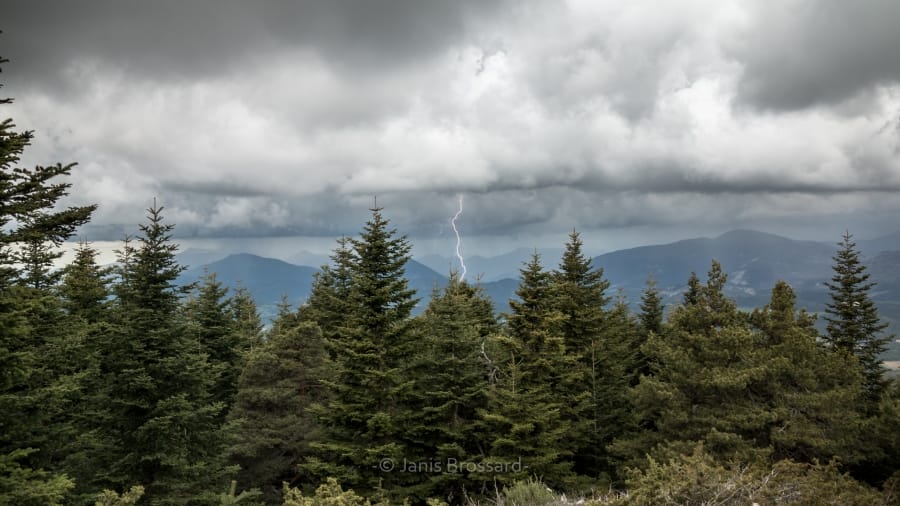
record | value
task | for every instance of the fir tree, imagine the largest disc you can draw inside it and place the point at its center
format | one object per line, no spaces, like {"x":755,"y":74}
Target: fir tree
{"x":273,"y":427}
{"x":364,"y":413}
{"x":329,"y":299}
{"x":594,"y":383}
{"x":526,"y":409}
{"x":579,"y":293}
{"x":807,"y":388}
{"x":37,"y":256}
{"x":223,"y":339}
{"x":748,"y":387}
{"x":153,"y":411}
{"x":651,"y":322}
{"x":702,"y":371}
{"x":85,"y":286}
{"x":245,"y":317}
{"x":652,"y":309}
{"x":692,"y":294}
{"x":853,"y":325}
{"x":450,"y":387}
{"x":29,"y":216}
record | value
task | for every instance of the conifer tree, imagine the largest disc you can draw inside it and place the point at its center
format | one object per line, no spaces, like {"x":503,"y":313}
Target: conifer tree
{"x":853,"y":325}
{"x":83,"y":295}
{"x":153,"y":411}
{"x":245,"y":317}
{"x":364,"y":413}
{"x":579,"y":293}
{"x":651,"y":322}
{"x":594,"y":383}
{"x":28,"y":215}
{"x":37,"y":256}
{"x":652,"y":309}
{"x":273,"y":427}
{"x":748,"y":387}
{"x":694,"y":287}
{"x":213,"y":325}
{"x":450,"y":387}
{"x":807,"y":388}
{"x":85,"y":286}
{"x":702,"y":371}
{"x":329,"y":300}
{"x":526,"y":409}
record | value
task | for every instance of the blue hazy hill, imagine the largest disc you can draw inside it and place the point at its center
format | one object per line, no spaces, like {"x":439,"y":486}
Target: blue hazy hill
{"x":753,"y":260}
{"x":268,"y":279}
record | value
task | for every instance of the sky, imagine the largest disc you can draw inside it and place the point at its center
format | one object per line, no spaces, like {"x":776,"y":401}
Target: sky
{"x":633,"y":122}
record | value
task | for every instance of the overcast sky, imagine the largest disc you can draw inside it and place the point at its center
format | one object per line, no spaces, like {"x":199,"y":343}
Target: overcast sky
{"x":634,"y":122}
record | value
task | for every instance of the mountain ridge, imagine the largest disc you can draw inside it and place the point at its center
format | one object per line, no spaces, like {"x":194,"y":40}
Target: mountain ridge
{"x":753,"y":260}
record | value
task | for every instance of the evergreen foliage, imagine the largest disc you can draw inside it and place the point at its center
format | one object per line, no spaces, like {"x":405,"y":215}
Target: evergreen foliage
{"x":273,"y":426}
{"x":245,"y":318}
{"x":154,"y":417}
{"x":129,"y":498}
{"x":702,"y":372}
{"x":329,"y":300}
{"x":853,"y":325}
{"x":85,"y":286}
{"x":806,"y":387}
{"x":370,"y":392}
{"x":652,"y":309}
{"x":698,"y":478}
{"x":450,"y":387}
{"x":526,"y":411}
{"x":31,"y":226}
{"x":594,"y":383}
{"x":223,"y":334}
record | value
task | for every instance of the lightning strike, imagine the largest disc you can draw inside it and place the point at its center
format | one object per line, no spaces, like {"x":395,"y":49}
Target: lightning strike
{"x":462,"y":261}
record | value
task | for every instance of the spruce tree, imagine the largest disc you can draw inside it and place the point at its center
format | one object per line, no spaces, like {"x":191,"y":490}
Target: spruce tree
{"x":526,"y":412}
{"x":853,"y":325}
{"x":694,"y":287}
{"x":450,"y":387}
{"x":156,"y":422}
{"x":750,"y":388}
{"x":651,"y":322}
{"x":224,"y":339}
{"x":85,"y":286}
{"x":579,"y":293}
{"x":329,"y":299}
{"x":29,"y":216}
{"x":84,"y":294}
{"x":245,"y":317}
{"x":652,"y":309}
{"x":595,"y":380}
{"x":364,"y":413}
{"x":702,"y":370}
{"x":273,"y":427}
{"x":808,"y":389}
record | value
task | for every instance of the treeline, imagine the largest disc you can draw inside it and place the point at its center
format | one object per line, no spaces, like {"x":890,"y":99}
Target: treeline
{"x":119,"y":387}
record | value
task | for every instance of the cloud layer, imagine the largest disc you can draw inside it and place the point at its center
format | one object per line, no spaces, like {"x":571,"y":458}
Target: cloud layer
{"x":288,"y":117}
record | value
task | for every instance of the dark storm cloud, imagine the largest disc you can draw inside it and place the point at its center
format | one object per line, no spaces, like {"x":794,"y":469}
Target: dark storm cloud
{"x":800,"y":53}
{"x":170,"y":39}
{"x":273,"y":118}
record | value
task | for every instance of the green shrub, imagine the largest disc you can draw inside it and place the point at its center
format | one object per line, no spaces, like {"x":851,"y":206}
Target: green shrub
{"x":329,"y":493}
{"x":697,"y":479}
{"x":530,"y":492}
{"x":111,"y":498}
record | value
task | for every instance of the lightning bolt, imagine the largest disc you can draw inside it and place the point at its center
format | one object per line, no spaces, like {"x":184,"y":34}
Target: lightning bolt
{"x":462,"y":261}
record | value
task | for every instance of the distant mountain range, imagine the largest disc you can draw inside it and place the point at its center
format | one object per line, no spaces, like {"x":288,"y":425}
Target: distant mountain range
{"x":487,"y":269}
{"x":269,"y":279}
{"x":753,"y":260}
